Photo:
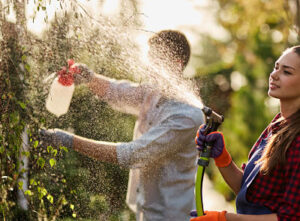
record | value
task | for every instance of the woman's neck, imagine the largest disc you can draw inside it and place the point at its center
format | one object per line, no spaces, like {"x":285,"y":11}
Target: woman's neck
{"x":288,"y":108}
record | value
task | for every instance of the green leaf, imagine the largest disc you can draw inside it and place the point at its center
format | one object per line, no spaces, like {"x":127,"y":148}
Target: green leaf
{"x":64,"y":149}
{"x":23,"y":58}
{"x":54,"y":152}
{"x":41,"y":162}
{"x":22,"y":105}
{"x":52,"y":162}
{"x":20,"y":185}
{"x":28,"y":193}
{"x":27,"y":67}
{"x":14,"y":118}
{"x":50,"y":198}
{"x":49,"y":149}
{"x":64,"y":201}
{"x":26,"y":153}
{"x":35,"y":144}
{"x":42,"y":190}
{"x":33,"y":182}
{"x":71,"y":206}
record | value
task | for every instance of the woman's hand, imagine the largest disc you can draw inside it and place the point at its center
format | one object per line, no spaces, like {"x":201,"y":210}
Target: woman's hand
{"x":216,"y":140}
{"x":211,"y":216}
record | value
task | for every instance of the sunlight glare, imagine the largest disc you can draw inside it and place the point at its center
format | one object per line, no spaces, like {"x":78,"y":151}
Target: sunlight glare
{"x":12,"y":14}
{"x":37,"y":25}
{"x":110,"y":7}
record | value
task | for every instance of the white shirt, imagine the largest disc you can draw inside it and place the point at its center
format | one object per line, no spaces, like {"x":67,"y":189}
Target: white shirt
{"x":162,"y":156}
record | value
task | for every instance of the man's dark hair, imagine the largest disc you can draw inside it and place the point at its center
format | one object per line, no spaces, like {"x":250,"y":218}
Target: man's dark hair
{"x":172,"y":45}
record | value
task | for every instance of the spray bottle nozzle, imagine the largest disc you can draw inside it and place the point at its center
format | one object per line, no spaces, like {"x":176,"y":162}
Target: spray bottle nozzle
{"x":66,"y":74}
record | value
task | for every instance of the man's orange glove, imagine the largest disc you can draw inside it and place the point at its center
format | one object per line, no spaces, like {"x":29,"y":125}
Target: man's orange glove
{"x":211,"y":216}
{"x":219,"y":153}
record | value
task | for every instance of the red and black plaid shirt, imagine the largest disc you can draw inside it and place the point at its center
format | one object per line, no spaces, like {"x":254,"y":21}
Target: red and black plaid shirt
{"x":279,"y":191}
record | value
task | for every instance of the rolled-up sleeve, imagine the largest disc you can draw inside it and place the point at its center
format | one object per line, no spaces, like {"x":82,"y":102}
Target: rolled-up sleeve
{"x":165,"y":138}
{"x":125,"y":96}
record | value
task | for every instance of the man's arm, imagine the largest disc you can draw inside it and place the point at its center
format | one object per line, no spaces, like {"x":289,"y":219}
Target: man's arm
{"x":124,"y":96}
{"x":99,"y":85}
{"x":103,"y":151}
{"x":99,"y":150}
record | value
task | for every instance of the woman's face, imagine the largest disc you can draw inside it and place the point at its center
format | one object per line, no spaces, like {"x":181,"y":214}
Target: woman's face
{"x":284,"y":81}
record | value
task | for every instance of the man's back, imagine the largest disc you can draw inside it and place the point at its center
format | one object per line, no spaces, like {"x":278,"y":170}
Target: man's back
{"x":161,"y":184}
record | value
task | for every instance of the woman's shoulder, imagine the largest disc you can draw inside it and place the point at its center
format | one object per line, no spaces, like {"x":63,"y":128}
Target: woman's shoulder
{"x":293,"y":151}
{"x":296,"y":142}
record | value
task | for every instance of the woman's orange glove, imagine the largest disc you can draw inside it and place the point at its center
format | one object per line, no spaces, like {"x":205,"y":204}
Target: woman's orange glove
{"x":211,"y":216}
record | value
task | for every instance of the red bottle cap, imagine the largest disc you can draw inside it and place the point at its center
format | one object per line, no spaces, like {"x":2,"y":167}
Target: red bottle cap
{"x":66,"y":77}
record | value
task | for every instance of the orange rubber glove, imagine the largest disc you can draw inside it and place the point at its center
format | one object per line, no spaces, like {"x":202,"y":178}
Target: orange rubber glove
{"x":211,"y":216}
{"x":224,"y":159}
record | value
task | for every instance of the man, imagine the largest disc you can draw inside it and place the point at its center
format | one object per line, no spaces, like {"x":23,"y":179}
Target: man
{"x":161,"y":157}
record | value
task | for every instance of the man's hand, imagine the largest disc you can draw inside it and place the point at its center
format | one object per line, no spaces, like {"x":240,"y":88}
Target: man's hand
{"x":55,"y":138}
{"x":211,"y":216}
{"x":83,"y":74}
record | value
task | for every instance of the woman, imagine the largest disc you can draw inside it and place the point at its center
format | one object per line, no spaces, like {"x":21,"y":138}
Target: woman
{"x":268,"y":188}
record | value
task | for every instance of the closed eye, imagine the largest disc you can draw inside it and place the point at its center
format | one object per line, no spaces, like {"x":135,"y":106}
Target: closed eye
{"x":276,"y":67}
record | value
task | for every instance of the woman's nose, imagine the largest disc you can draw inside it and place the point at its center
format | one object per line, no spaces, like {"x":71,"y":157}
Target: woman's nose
{"x":274,"y":74}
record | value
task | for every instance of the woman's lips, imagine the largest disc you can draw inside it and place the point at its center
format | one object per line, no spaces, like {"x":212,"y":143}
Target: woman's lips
{"x":273,"y":86}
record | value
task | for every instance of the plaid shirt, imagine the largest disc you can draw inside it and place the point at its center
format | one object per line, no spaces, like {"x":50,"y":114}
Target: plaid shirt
{"x":280,"y":191}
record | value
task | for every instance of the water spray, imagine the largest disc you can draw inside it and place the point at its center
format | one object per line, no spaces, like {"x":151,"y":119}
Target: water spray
{"x":213,"y":121}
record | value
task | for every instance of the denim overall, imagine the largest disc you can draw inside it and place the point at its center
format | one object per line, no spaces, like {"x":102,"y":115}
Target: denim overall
{"x":250,"y":172}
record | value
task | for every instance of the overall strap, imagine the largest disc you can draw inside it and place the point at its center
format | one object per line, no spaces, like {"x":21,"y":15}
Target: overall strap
{"x":251,"y":170}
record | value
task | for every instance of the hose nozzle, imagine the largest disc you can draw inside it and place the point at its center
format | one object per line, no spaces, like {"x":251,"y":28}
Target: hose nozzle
{"x":213,"y":120}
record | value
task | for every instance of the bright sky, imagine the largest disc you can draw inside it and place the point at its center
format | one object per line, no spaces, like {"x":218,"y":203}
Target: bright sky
{"x":181,"y":14}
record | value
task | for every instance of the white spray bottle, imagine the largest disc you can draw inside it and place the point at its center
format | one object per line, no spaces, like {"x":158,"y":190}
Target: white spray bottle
{"x":61,"y":91}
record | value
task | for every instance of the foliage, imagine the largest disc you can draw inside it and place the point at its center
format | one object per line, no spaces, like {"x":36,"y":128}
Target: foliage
{"x":62,"y":183}
{"x":16,"y":116}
